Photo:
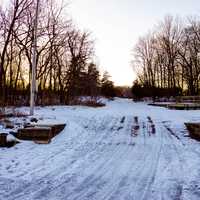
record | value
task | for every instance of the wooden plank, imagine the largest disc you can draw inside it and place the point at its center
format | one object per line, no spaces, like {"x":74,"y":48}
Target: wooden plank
{"x":34,"y":133}
{"x":194,"y":130}
{"x":3,"y":139}
{"x":55,"y":128}
{"x":40,"y":133}
{"x":42,"y":141}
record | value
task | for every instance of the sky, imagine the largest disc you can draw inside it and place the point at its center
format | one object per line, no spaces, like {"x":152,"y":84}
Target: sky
{"x":116,"y":26}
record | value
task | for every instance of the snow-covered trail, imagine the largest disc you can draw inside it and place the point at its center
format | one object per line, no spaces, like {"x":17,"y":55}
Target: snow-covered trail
{"x":98,"y":157}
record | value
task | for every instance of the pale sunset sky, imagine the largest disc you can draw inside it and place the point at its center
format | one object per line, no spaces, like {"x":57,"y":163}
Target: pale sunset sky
{"x":117,"y":24}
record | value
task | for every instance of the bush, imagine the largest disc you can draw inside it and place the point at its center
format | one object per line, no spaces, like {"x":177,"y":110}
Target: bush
{"x":139,"y":91}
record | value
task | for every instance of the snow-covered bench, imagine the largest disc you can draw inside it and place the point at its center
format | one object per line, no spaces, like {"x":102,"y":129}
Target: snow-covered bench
{"x":40,"y":133}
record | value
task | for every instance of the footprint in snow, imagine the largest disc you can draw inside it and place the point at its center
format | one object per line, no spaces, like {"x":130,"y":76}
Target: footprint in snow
{"x":8,"y":167}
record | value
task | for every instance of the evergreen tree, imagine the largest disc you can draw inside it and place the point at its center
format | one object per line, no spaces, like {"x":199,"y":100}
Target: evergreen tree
{"x":107,"y":86}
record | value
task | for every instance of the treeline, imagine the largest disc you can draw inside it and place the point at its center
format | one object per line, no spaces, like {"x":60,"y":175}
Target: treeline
{"x":64,"y":58}
{"x":167,"y":60}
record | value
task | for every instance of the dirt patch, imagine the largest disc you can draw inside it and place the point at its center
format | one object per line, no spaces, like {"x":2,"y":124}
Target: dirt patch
{"x":135,"y":128}
{"x":151,"y":126}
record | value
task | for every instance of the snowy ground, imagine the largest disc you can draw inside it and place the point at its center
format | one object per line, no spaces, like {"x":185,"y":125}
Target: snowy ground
{"x":96,"y":157}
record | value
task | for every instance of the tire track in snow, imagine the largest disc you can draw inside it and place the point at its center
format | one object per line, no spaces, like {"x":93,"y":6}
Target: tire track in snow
{"x":99,"y":172}
{"x":178,"y":189}
{"x":146,"y":174}
{"x":135,"y":168}
{"x":115,"y":183}
{"x":112,"y":189}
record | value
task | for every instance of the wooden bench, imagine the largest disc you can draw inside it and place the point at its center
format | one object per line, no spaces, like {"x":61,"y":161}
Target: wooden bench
{"x":35,"y":134}
{"x":55,"y":128}
{"x":40,"y":133}
{"x":194,"y":130}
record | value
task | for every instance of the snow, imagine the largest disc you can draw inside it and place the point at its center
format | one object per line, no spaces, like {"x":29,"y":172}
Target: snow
{"x":95,"y":156}
{"x":10,"y":138}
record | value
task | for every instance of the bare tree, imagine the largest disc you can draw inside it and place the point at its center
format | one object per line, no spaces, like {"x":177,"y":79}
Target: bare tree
{"x":170,"y":58}
{"x":8,"y":24}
